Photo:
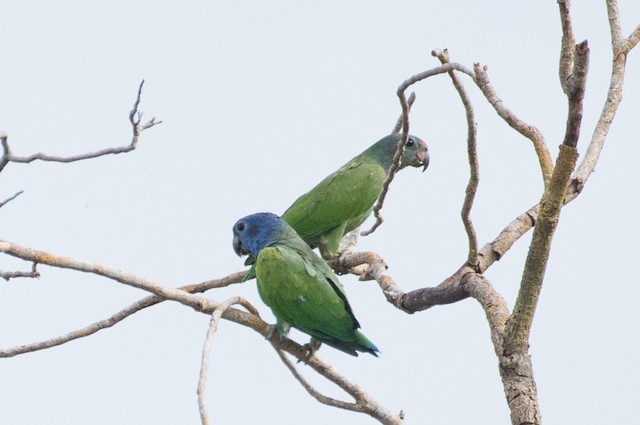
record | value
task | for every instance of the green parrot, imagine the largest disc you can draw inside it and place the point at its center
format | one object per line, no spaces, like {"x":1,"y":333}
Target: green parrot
{"x":298,"y":286}
{"x":343,"y":200}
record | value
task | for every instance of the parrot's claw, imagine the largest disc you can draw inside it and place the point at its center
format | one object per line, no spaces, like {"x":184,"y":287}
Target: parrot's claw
{"x":311,"y":347}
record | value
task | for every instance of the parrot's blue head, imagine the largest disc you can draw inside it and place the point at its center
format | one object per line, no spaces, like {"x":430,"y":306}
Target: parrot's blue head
{"x":256,"y":231}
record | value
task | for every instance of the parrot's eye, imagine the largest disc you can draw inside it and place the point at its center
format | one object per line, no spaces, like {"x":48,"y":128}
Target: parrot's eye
{"x":240,"y":227}
{"x":410,"y":143}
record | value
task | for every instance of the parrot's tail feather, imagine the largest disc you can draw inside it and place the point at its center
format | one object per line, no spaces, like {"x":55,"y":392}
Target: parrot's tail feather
{"x":365,"y":345}
{"x":361,"y":343}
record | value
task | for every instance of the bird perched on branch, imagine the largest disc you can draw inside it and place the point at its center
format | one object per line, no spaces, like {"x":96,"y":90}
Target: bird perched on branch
{"x":344,"y":199}
{"x":298,"y":286}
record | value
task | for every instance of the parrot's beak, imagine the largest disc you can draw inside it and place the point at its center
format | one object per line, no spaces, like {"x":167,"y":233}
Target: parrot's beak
{"x":422,"y":157}
{"x":239,"y":249}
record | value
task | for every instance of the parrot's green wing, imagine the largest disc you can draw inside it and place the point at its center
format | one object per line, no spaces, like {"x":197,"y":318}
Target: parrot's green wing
{"x":303,"y":292}
{"x":337,"y":205}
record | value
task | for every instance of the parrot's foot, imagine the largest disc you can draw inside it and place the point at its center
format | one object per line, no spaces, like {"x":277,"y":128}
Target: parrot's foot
{"x":337,"y":262}
{"x":278,"y":332}
{"x":272,"y":333}
{"x":342,"y":263}
{"x":327,"y":255}
{"x":311,"y":347}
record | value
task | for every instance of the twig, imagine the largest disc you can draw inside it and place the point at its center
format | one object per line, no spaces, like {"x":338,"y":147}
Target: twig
{"x":620,"y":44}
{"x":567,"y":46}
{"x":621,"y":47}
{"x":364,"y":403}
{"x":574,"y":64}
{"x":398,"y":126}
{"x":11,"y":275}
{"x":141,"y":304}
{"x":474,"y":167}
{"x":631,"y":41}
{"x":195,"y":301}
{"x":206,"y":350}
{"x":134,"y":118}
{"x":404,"y":122}
{"x":529,"y":131}
{"x":6,"y":150}
{"x":11,"y":198}
{"x":310,"y":389}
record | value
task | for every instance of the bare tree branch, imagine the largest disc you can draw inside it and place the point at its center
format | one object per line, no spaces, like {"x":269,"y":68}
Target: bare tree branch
{"x":529,"y":131}
{"x":509,"y":335}
{"x":376,"y":270}
{"x":310,"y":389}
{"x":404,"y":122}
{"x":425,"y":298}
{"x":515,"y":362}
{"x":6,"y":150}
{"x":11,"y":198}
{"x":135,"y":117}
{"x":364,"y":403}
{"x":567,"y":46}
{"x":398,"y":126}
{"x":479,"y":76}
{"x":195,"y":301}
{"x":141,"y":304}
{"x":474,"y":178}
{"x":367,"y":404}
{"x":494,"y":306}
{"x":394,"y":169}
{"x":620,"y":47}
{"x":574,"y":78}
{"x":620,"y":44}
{"x":206,"y":350}
{"x":574,"y":64}
{"x":11,"y":275}
{"x":370,"y":266}
{"x":449,"y":291}
{"x":632,"y":41}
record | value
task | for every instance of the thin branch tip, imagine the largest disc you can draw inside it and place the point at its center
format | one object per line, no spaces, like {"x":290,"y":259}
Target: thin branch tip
{"x":11,"y":198}
{"x":33,"y":274}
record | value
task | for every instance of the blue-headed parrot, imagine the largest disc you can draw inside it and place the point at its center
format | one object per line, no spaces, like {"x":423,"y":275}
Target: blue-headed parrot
{"x":298,"y":285}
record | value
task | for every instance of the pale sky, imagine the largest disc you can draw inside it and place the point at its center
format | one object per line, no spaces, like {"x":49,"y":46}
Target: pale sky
{"x":260,"y":101}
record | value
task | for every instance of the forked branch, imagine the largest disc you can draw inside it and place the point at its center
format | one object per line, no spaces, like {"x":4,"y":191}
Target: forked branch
{"x":135,"y":117}
{"x":34,"y":274}
{"x":403,"y":123}
{"x":139,"y":305}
